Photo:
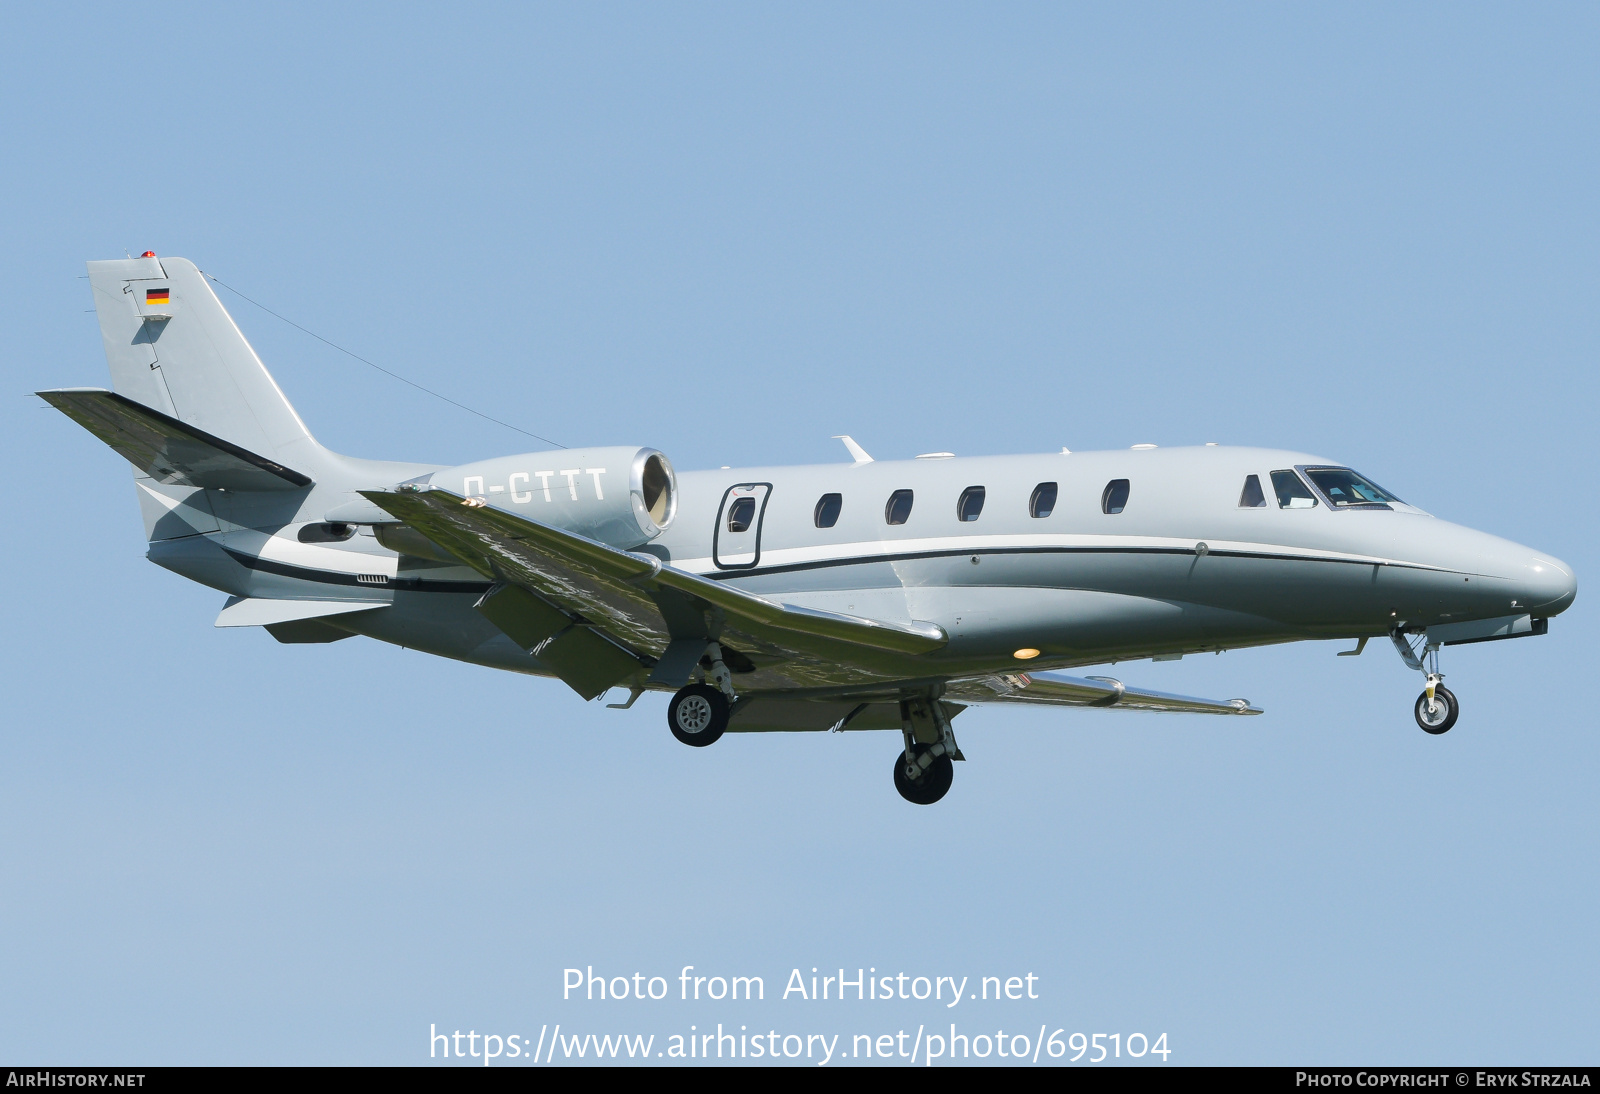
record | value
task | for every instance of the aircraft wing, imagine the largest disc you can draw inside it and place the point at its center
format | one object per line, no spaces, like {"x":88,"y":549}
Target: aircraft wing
{"x":660,"y":617}
{"x":1055,"y":689}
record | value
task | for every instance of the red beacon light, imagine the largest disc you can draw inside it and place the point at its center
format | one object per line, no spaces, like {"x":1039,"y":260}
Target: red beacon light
{"x":148,"y":254}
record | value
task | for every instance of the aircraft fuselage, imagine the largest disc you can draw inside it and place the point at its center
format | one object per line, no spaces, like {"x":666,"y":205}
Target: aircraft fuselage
{"x":1181,"y":567}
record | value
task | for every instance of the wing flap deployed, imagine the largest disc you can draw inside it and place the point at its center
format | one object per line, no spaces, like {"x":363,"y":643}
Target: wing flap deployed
{"x":790,"y":714}
{"x":584,"y":660}
{"x":1055,"y":689}
{"x":642,"y":604}
{"x":168,"y":450}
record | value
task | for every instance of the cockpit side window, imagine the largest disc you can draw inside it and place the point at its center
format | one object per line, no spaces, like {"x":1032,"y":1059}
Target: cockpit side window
{"x":1114,"y":499}
{"x":827,"y":513}
{"x":1345,"y":489}
{"x":898,"y":509}
{"x":1292,"y":493}
{"x":970,"y":504}
{"x":1252,"y":497}
{"x":1043,"y":501}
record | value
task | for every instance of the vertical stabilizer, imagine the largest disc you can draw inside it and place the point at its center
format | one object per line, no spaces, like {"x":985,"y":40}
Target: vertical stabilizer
{"x":173,"y":347}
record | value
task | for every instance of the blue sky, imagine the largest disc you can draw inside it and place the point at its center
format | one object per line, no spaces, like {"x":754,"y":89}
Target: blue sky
{"x":731,"y":232}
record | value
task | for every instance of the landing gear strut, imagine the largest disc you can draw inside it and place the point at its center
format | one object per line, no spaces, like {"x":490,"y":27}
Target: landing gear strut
{"x":698,"y":713}
{"x":924,"y":771}
{"x":1436,"y":708}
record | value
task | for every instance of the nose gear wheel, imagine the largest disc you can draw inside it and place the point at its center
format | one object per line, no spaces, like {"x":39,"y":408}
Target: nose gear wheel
{"x":1441,"y":714}
{"x":1436,"y":708}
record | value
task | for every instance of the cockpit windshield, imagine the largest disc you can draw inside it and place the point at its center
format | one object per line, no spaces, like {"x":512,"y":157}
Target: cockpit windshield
{"x":1292,"y":493}
{"x":1345,"y":489}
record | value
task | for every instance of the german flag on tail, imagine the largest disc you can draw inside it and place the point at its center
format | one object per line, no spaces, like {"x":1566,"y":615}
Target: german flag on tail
{"x":157,"y":296}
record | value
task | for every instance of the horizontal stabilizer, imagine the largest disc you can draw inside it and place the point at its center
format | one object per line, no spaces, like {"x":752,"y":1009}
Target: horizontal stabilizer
{"x":254,"y":612}
{"x":168,"y":450}
{"x":1054,"y":689}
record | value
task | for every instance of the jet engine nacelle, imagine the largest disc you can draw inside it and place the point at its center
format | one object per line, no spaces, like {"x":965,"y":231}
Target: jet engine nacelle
{"x":620,"y":496}
{"x":623,"y":497}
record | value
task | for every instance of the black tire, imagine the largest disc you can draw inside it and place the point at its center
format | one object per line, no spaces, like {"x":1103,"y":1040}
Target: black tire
{"x":698,"y":715}
{"x":934,"y":783}
{"x":1442,"y":719}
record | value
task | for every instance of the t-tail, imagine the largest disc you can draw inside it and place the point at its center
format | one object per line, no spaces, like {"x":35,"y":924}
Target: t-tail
{"x":224,"y":466}
{"x":192,"y":407}
{"x":174,"y":348}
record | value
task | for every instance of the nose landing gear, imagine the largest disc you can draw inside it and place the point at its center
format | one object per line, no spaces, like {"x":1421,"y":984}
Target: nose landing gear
{"x":1436,"y":708}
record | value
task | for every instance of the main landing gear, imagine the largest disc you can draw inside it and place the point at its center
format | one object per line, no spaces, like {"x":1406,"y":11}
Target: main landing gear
{"x":923,"y":772}
{"x":1436,"y":708}
{"x":698,"y":713}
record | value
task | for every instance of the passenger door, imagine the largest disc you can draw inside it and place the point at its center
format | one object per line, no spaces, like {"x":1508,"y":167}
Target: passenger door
{"x":736,"y":541}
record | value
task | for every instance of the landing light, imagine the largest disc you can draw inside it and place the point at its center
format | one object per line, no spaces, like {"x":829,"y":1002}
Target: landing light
{"x":1025,"y":655}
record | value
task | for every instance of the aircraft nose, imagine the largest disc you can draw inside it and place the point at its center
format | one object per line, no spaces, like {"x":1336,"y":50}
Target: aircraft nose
{"x":1549,"y":586}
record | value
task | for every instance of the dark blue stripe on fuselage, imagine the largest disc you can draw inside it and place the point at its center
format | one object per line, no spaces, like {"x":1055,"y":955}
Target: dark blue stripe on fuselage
{"x":417,"y":584}
{"x":860,"y":560}
{"x":331,"y":577}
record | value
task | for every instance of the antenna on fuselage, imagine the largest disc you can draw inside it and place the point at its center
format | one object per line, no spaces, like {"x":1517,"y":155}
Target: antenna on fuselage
{"x":857,"y":453}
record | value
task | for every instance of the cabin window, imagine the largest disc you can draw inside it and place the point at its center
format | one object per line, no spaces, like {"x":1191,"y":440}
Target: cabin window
{"x":898,"y":510}
{"x":970,"y":504}
{"x":1345,"y":489}
{"x":326,"y":533}
{"x":1292,"y":493}
{"x":740,"y":514}
{"x":1043,"y":501}
{"x":1252,"y":497}
{"x":1114,"y":499}
{"x":827,"y":512}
